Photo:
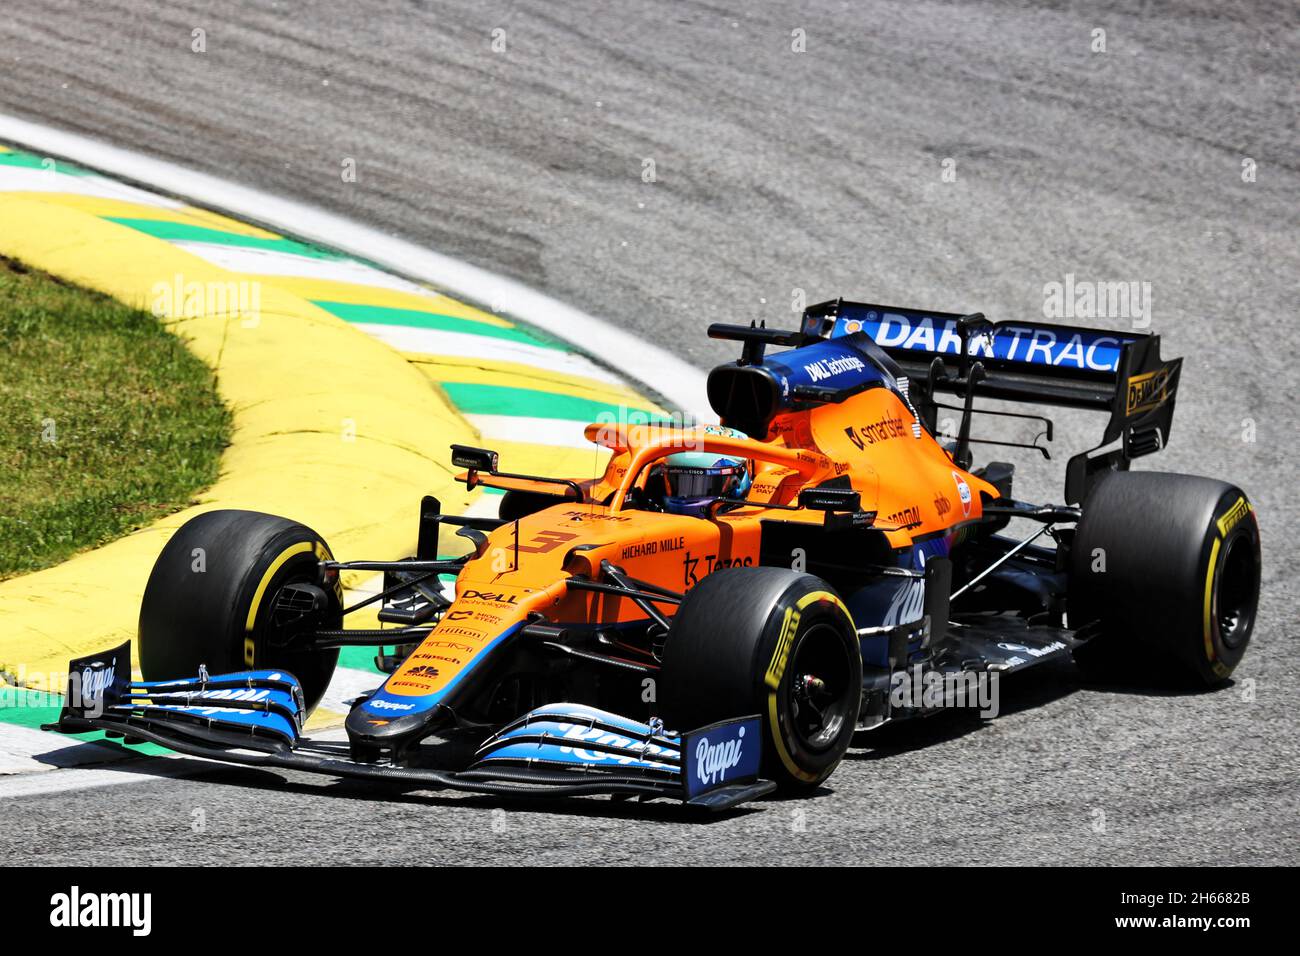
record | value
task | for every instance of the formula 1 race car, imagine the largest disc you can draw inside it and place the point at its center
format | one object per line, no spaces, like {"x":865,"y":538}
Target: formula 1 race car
{"x":722,"y":610}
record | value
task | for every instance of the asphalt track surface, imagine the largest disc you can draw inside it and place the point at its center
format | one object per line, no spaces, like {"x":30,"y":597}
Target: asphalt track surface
{"x":774,"y":171}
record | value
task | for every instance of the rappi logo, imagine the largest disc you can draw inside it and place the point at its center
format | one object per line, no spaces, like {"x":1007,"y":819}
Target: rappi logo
{"x":637,"y":750}
{"x":240,"y":694}
{"x":380,"y":704}
{"x":95,"y":682}
{"x":90,"y":687}
{"x":712,"y":761}
{"x":722,"y":755}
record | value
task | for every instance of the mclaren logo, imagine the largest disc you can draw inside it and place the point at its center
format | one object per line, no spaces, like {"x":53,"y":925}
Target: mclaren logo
{"x":1147,"y":391}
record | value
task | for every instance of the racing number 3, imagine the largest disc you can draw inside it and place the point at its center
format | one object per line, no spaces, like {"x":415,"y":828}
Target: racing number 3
{"x":545,"y":541}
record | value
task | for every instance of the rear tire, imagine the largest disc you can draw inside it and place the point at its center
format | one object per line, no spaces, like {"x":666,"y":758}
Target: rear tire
{"x":1169,"y":565}
{"x":217,"y":573}
{"x":772,"y":642}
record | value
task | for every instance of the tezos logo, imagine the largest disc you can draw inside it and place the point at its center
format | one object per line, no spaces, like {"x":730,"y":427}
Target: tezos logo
{"x":712,"y":761}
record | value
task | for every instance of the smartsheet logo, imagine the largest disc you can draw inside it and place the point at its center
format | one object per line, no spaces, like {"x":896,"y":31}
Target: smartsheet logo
{"x":76,"y":909}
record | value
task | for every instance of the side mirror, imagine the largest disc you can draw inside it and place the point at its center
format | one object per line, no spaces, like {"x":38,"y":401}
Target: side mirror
{"x":843,"y":506}
{"x":830,"y":499}
{"x":475,"y":459}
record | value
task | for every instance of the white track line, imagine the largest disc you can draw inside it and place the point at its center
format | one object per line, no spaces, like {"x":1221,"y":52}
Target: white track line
{"x":678,"y":381}
{"x":130,"y":769}
{"x":28,"y":750}
{"x":64,"y":781}
{"x":51,"y":181}
{"x":273,"y":262}
{"x":555,"y":432}
{"x":487,"y":348}
{"x":347,"y":684}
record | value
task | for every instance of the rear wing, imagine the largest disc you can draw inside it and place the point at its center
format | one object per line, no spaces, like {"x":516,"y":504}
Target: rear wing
{"x":1120,"y":373}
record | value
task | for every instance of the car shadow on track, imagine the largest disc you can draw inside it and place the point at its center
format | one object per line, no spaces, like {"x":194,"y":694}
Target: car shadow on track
{"x":657,"y":811}
{"x":1034,"y":688}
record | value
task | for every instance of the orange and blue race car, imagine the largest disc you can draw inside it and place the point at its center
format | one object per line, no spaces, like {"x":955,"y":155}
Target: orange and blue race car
{"x":723,"y":609}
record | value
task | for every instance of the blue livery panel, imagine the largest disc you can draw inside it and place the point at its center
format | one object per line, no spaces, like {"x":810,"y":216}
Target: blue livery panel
{"x":1016,"y":343}
{"x":828,"y":364}
{"x":725,"y":753}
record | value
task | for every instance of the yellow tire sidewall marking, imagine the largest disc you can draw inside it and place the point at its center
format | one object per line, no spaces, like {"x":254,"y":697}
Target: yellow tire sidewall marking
{"x":1230,"y":518}
{"x":250,"y":645}
{"x":781,"y":653}
{"x":776,"y":670}
{"x":1225,"y":523}
{"x":1208,"y":616}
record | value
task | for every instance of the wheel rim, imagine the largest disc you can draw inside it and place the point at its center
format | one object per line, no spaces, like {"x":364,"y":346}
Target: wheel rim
{"x":820,"y":693}
{"x":1235,"y":601}
{"x":314,"y":669}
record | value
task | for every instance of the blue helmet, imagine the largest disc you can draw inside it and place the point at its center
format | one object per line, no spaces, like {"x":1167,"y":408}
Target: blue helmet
{"x":694,"y":480}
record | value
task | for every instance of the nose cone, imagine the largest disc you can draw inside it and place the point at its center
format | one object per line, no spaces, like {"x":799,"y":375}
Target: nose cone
{"x":372,"y":729}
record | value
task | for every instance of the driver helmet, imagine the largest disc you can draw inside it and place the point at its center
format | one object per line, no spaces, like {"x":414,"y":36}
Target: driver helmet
{"x":694,"y":480}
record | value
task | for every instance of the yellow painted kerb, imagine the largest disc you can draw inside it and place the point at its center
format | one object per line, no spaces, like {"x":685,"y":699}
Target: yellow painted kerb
{"x":331,"y":428}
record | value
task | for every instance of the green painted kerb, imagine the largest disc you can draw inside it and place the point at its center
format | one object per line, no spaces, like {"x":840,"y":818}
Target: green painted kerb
{"x":22,"y":707}
{"x":478,"y":399}
{"x":28,"y":161}
{"x":186,"y":232}
{"x":435,"y":321}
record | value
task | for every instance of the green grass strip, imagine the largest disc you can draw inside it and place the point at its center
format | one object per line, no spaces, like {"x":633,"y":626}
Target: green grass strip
{"x":107,"y":421}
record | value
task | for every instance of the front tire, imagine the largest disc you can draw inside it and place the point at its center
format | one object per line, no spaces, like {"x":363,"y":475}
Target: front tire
{"x":773,"y":642}
{"x":210,"y":595}
{"x":1168,"y":566}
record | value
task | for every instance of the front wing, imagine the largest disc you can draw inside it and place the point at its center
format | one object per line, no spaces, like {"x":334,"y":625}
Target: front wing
{"x":255,"y":718}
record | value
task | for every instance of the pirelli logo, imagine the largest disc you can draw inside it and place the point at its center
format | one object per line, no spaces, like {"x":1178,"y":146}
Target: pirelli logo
{"x":1233,"y":516}
{"x":781,"y":654}
{"x":1147,"y":391}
